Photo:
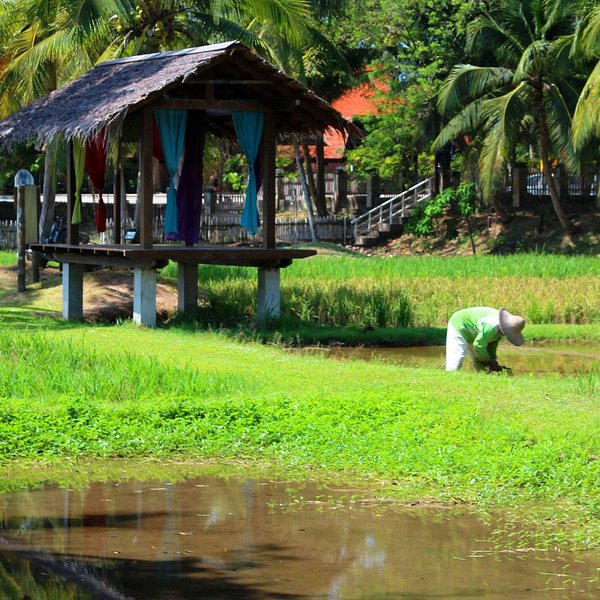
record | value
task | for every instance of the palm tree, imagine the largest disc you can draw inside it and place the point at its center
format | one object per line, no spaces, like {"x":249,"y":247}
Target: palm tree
{"x":46,"y":44}
{"x":529,"y":89}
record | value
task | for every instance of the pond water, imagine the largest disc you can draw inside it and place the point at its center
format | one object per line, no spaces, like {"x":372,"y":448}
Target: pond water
{"x":249,"y":538}
{"x":548,"y":357}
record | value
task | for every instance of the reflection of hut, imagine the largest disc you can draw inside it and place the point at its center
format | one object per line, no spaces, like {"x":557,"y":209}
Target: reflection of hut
{"x":225,"y":89}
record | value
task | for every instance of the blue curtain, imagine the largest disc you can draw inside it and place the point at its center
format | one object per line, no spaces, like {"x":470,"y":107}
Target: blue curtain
{"x":249,"y":128}
{"x":171,"y":130}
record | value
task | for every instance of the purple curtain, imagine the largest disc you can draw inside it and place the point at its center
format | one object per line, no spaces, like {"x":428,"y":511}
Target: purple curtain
{"x":189,"y":190}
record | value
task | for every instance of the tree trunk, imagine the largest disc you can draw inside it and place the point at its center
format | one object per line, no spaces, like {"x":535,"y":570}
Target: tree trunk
{"x":307,"y":198}
{"x":310,"y":178}
{"x":49,"y":191}
{"x":321,"y":199}
{"x":559,"y":209}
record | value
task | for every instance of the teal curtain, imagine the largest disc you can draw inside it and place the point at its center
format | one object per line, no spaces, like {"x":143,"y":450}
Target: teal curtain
{"x":249,"y":129}
{"x":171,"y":130}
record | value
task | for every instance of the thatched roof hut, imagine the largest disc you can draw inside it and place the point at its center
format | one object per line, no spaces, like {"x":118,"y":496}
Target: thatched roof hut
{"x":215,"y":86}
{"x":114,"y":90}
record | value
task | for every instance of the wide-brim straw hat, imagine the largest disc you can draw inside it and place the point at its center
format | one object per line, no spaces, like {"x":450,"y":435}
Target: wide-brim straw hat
{"x":511,"y":326}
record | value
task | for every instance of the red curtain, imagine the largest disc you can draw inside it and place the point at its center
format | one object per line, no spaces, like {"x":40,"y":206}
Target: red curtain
{"x":95,"y":164}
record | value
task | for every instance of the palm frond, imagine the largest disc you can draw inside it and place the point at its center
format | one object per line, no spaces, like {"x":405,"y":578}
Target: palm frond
{"x":467,"y":121}
{"x":466,"y":82}
{"x":586,"y":120}
{"x":559,"y":125}
{"x":504,"y":117}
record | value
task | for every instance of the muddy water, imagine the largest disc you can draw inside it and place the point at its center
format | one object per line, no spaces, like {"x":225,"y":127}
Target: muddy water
{"x":551,"y":357}
{"x":218,"y":538}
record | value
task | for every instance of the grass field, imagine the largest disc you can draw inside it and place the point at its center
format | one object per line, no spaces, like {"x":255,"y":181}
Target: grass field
{"x":531,"y":444}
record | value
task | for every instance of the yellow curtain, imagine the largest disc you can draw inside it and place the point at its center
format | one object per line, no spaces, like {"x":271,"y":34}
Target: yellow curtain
{"x":79,"y":166}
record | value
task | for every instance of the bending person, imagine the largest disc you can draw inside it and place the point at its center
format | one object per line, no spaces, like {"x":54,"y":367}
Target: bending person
{"x":478,"y":331}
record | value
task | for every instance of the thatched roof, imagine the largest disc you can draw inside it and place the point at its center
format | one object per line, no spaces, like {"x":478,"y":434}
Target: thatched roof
{"x":115,"y":90}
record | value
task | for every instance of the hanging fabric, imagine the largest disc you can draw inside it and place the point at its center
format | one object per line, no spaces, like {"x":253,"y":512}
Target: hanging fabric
{"x":189,"y":190}
{"x":157,"y":150}
{"x":249,"y":128}
{"x":79,"y":168}
{"x":171,"y":130}
{"x":95,"y":164}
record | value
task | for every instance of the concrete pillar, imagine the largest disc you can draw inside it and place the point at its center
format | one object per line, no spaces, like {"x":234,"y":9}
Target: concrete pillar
{"x":144,"y":296}
{"x":268,"y":304}
{"x":187,"y":288}
{"x":72,"y":278}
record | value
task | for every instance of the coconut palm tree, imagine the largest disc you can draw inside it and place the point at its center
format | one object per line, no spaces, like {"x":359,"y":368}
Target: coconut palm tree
{"x":525,"y":84}
{"x":46,"y":44}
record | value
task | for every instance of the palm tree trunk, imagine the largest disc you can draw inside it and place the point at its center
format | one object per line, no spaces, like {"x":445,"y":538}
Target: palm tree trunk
{"x":307,"y":198}
{"x":559,"y":209}
{"x":48,"y":190}
{"x":310,"y":178}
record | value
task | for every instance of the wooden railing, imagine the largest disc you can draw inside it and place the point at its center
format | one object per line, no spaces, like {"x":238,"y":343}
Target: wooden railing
{"x":394,"y":210}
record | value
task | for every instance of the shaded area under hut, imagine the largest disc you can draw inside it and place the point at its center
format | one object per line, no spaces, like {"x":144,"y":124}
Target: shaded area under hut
{"x":167,"y":102}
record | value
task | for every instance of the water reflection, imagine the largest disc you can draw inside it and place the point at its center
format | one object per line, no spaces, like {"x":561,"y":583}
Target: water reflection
{"x":550,"y":357}
{"x":253,"y":539}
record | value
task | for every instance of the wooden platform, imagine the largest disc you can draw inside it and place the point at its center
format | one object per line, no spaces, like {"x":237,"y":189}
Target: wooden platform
{"x":133,"y":255}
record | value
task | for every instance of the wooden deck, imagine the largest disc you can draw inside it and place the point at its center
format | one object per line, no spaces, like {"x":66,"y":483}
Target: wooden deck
{"x":130,"y":256}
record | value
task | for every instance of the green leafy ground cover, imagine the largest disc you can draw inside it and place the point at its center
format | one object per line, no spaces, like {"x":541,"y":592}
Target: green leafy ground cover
{"x":69,"y":391}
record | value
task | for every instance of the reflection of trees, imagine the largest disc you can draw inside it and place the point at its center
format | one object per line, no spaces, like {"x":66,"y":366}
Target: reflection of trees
{"x":23,"y":578}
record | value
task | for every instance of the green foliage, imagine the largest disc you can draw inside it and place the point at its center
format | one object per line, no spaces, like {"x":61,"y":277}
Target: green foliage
{"x":235,"y":173}
{"x":423,"y":221}
{"x":485,"y":440}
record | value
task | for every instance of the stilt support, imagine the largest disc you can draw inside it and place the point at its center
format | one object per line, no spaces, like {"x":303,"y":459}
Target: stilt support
{"x":269,"y":295}
{"x":72,"y":277}
{"x":144,"y":297}
{"x":187,"y":288}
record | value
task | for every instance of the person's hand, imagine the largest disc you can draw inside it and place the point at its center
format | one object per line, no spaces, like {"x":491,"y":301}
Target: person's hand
{"x":492,"y":366}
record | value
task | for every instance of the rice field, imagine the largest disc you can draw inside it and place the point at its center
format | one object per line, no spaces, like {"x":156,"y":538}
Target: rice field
{"x":411,"y":292}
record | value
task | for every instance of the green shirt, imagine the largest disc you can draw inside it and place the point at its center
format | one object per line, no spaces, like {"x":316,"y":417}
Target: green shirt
{"x":480,"y":326}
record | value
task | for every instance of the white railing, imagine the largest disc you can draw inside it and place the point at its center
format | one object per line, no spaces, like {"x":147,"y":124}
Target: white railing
{"x":394,"y":210}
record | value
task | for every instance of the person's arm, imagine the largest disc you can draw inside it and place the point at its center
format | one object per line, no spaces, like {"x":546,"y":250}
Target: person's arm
{"x":485,"y":344}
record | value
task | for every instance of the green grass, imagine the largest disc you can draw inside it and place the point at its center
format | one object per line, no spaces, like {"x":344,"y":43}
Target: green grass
{"x":8,"y":258}
{"x":461,"y":437}
{"x":349,"y":291}
{"x":69,"y":391}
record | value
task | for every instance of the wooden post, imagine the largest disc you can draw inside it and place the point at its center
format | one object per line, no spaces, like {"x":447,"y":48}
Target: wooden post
{"x":146,"y":180}
{"x":72,"y":230}
{"x":269,"y":199}
{"x":117,"y":199}
{"x":21,"y":238}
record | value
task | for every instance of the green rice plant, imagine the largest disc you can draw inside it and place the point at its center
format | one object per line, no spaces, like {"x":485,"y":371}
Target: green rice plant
{"x":417,"y":291}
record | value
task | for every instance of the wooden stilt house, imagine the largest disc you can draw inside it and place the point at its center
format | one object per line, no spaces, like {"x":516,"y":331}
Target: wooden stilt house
{"x":225,"y":89}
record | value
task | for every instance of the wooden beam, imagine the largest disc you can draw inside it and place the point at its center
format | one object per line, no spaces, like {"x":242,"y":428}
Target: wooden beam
{"x":72,"y":230}
{"x":117,"y":200}
{"x":146,"y":191}
{"x":269,"y":193}
{"x":198,"y":104}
